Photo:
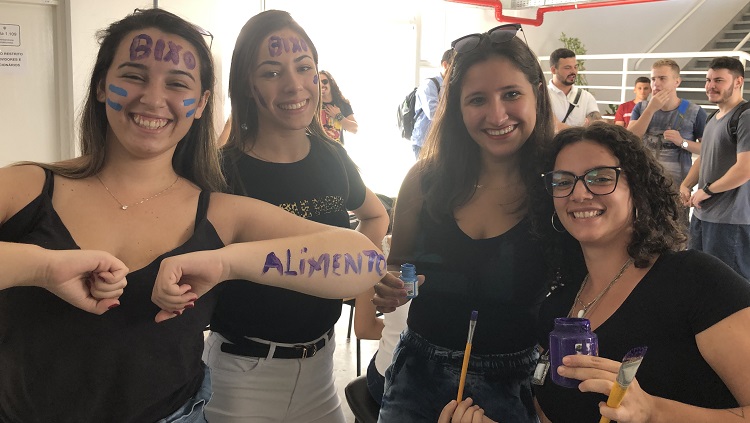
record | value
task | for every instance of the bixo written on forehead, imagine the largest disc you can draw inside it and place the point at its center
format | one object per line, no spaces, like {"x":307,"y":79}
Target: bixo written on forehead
{"x":143,"y":46}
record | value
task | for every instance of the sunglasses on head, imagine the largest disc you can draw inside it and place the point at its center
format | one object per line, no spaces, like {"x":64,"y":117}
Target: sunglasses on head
{"x":203,"y":32}
{"x":324,"y":81}
{"x":497,"y":35}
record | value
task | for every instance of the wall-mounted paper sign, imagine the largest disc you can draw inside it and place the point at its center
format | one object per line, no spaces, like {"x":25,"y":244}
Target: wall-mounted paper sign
{"x":13,"y":61}
{"x":10,"y":35}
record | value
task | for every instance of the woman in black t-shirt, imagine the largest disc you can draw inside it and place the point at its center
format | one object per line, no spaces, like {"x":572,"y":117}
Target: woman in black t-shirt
{"x":336,"y":115}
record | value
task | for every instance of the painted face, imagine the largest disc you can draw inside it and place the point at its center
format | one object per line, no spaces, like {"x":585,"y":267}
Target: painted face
{"x":664,"y":78}
{"x":720,"y":85}
{"x":152,"y":91}
{"x":594,"y":219}
{"x":498,"y":107}
{"x":325,"y":88}
{"x":285,"y":82}
{"x":642,"y":90}
{"x":566,"y":71}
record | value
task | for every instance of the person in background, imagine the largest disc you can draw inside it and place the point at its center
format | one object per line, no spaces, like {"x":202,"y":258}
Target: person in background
{"x":642,"y":289}
{"x":642,"y":90}
{"x":336,"y":115}
{"x":571,"y":105}
{"x":426,"y":103}
{"x":720,"y":225}
{"x":138,"y":201}
{"x":271,"y":350}
{"x":462,"y":218}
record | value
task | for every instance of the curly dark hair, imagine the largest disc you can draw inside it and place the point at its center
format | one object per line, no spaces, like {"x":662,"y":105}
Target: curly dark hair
{"x":657,"y":227}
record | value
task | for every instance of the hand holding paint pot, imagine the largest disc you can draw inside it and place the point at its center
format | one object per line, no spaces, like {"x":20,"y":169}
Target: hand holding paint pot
{"x":625,"y":376}
{"x":571,"y":336}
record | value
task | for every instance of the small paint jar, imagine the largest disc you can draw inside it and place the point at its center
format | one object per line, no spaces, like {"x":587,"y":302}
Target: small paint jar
{"x":409,"y":277}
{"x":570,"y":336}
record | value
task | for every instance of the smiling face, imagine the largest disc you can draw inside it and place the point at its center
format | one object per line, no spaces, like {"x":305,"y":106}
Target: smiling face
{"x":284,"y":82}
{"x":325,"y":88}
{"x":498,"y":106}
{"x":721,"y":85}
{"x":152,"y":92}
{"x":594,"y":219}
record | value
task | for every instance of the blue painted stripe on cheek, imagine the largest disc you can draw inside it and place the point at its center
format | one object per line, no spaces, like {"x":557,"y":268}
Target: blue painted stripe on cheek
{"x":190,"y":113}
{"x":112,"y":104}
{"x":118,"y":90}
{"x":188,"y":101}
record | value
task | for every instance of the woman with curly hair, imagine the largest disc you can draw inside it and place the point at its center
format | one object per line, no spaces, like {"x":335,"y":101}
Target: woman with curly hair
{"x":337,"y":114}
{"x":642,"y":289}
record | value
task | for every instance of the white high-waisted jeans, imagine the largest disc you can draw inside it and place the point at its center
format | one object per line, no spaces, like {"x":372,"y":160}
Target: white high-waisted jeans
{"x":252,"y":389}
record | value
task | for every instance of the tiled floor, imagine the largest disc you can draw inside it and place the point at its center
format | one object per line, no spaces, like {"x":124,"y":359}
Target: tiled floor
{"x":345,"y":358}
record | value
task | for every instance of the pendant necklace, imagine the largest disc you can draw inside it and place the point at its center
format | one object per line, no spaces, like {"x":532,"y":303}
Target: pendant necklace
{"x":587,"y":307}
{"x":125,"y":207}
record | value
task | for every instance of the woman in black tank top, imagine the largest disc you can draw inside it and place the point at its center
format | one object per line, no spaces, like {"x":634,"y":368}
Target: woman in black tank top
{"x":96,"y":250}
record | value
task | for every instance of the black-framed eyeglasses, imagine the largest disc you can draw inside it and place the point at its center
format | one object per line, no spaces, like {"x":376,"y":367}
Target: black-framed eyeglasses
{"x":598,"y":181}
{"x":497,"y":35}
{"x":202,"y":31}
{"x":324,"y":81}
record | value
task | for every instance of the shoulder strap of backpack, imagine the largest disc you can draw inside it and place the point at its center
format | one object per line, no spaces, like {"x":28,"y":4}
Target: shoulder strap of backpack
{"x":437,"y":84}
{"x":735,"y":120}
{"x":572,"y":105}
{"x":712,"y":115}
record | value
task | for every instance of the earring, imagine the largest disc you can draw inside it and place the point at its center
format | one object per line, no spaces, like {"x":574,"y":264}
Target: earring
{"x":636,"y":215}
{"x":244,"y":127}
{"x":554,"y":213}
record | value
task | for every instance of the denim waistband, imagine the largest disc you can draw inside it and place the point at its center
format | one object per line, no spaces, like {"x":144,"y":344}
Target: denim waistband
{"x":520,"y":360}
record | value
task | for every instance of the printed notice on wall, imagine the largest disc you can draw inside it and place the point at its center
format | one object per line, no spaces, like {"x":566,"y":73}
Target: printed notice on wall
{"x":12,"y":60}
{"x":10,"y":35}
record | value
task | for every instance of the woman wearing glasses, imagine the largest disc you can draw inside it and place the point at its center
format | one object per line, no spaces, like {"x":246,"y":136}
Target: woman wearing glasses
{"x":462,"y":219}
{"x":690,"y":309}
{"x":336,"y":115}
{"x":278,"y":153}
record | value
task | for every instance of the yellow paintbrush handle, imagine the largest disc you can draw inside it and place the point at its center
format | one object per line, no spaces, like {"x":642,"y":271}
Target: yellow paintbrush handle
{"x":615,"y":398}
{"x":464,"y":369}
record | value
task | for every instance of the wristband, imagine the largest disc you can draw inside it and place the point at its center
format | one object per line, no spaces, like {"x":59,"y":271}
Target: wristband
{"x":707,"y":190}
{"x":339,"y":117}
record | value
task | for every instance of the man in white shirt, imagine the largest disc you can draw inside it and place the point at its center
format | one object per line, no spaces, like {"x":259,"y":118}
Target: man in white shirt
{"x":571,"y":105}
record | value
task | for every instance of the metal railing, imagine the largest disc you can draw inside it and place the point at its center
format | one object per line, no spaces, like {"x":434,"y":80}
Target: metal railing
{"x":611,"y":77}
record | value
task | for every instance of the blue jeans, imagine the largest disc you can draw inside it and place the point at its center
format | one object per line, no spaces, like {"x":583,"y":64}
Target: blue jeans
{"x":375,"y":381}
{"x":423,"y":378}
{"x":192,"y":411}
{"x":729,"y":243}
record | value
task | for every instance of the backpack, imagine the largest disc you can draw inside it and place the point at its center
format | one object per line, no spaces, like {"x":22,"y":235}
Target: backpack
{"x":406,"y":115}
{"x":733,"y":121}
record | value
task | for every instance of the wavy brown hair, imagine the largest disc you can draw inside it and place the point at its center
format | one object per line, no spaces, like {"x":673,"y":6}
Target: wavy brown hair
{"x":656,"y":201}
{"x":336,"y":95}
{"x":451,"y":164}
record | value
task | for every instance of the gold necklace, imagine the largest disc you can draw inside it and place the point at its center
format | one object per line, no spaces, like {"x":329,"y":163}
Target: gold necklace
{"x":586,"y":307}
{"x":125,"y":207}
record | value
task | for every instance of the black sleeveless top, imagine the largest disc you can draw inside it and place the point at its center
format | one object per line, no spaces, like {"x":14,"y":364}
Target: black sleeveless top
{"x":504,"y":278}
{"x":61,"y":364}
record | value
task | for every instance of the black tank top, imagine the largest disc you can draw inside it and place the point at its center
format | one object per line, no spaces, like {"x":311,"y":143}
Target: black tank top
{"x":61,"y":364}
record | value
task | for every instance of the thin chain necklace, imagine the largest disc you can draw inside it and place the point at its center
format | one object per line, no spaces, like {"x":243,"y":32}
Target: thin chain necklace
{"x":125,"y":207}
{"x":587,"y":307}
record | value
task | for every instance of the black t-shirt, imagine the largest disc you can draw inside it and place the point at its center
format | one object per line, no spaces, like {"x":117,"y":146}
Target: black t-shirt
{"x":504,"y":278}
{"x":683,"y":294}
{"x":61,"y":364}
{"x":321,"y":187}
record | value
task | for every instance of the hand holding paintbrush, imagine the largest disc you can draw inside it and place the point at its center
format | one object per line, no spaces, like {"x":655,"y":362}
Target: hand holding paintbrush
{"x":467,"y":353}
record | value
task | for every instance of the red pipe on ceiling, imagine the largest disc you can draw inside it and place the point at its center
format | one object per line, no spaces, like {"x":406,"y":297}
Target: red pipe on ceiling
{"x":498,"y":6}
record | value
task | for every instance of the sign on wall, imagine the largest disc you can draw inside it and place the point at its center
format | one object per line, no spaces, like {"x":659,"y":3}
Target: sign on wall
{"x":10,"y":35}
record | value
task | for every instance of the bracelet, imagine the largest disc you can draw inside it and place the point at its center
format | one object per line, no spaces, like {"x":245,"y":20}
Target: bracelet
{"x":707,"y":190}
{"x":339,"y":117}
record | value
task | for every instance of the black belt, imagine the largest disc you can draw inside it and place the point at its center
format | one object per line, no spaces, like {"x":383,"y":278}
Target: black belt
{"x":249,"y":348}
{"x":669,"y":145}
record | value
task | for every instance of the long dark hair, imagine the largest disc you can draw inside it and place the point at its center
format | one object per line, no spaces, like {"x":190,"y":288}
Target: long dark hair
{"x":196,"y":155}
{"x":245,"y":55}
{"x":451,"y":159}
{"x":657,"y":227}
{"x":336,"y":95}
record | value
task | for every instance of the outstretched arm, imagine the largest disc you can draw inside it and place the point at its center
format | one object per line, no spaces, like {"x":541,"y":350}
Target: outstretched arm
{"x":90,"y":280}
